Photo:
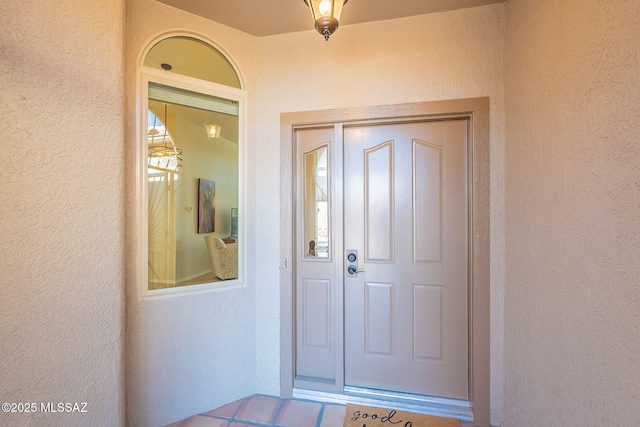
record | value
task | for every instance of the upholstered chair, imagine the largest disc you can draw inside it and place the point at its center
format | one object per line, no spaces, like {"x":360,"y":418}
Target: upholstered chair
{"x":223,"y":257}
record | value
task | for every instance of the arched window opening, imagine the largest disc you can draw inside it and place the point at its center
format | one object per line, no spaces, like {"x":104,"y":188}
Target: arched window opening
{"x":191,"y":164}
{"x":194,"y":58}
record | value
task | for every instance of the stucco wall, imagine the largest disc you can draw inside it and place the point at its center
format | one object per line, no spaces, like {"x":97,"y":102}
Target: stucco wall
{"x":188,"y":354}
{"x":61,"y":209}
{"x":572,"y":326}
{"x":431,"y":57}
{"x":62,"y":206}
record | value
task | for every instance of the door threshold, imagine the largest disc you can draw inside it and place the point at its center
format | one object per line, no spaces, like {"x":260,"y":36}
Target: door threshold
{"x":421,"y":404}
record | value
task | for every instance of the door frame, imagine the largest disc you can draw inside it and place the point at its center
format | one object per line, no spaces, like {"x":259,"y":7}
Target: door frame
{"x":476,"y":110}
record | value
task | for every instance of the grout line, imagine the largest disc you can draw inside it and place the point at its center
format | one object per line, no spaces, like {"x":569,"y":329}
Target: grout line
{"x":247,"y":422}
{"x":244,"y":402}
{"x":234,"y":418}
{"x":320,"y":415}
{"x":278,"y":411}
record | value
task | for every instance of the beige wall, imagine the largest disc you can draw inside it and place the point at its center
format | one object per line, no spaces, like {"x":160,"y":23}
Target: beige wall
{"x":61,"y":209}
{"x":431,"y":57}
{"x":443,"y":56}
{"x":187,"y":354}
{"x":572,"y":90}
{"x":572,"y":328}
{"x":184,"y":355}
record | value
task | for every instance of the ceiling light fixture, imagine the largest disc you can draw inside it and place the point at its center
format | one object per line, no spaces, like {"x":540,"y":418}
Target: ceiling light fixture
{"x":326,"y":15}
{"x":213,"y":131}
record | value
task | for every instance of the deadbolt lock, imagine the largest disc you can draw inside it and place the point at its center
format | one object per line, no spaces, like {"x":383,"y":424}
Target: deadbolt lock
{"x":352,"y":263}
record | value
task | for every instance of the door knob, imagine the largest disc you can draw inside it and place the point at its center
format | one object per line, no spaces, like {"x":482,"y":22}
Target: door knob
{"x":352,"y":263}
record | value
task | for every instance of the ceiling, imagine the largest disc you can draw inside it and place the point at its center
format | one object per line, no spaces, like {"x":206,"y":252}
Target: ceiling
{"x":269,"y":17}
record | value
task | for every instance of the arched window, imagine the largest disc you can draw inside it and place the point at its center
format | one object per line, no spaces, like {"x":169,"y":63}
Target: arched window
{"x":194,"y":58}
{"x":190,"y":167}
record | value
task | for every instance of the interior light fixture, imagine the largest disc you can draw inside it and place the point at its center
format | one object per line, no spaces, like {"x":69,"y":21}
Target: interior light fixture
{"x":213,"y":131}
{"x":163,"y":154}
{"x":326,"y":15}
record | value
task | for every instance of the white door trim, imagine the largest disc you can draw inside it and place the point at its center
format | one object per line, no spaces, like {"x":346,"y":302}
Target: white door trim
{"x":477,"y":111}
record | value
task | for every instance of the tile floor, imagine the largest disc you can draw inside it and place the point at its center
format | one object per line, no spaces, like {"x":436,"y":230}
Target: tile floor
{"x":265,"y":411}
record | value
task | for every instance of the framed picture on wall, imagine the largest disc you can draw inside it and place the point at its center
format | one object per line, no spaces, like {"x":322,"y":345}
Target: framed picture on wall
{"x":206,"y":205}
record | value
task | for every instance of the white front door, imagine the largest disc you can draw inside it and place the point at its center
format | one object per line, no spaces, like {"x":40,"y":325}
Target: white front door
{"x":406,"y":219}
{"x":399,"y":204}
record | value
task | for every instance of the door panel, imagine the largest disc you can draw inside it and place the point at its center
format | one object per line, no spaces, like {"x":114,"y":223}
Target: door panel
{"x":316,"y":314}
{"x":405,"y":207}
{"x":427,"y":312}
{"x":378,"y":169}
{"x":379,"y":316}
{"x":315,"y":290}
{"x":427,"y":236}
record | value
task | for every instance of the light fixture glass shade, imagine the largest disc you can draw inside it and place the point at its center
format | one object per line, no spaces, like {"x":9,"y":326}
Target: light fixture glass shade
{"x":213,"y":131}
{"x":326,"y":15}
{"x":163,"y":154}
{"x":165,"y":158}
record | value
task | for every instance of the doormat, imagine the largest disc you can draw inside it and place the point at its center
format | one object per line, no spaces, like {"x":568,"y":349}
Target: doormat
{"x":364,"y":416}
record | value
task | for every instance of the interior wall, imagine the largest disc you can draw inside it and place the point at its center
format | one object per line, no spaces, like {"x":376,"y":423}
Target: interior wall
{"x":61,"y":210}
{"x":572,"y":213}
{"x":215,"y":160}
{"x":188,"y":354}
{"x":431,"y":57}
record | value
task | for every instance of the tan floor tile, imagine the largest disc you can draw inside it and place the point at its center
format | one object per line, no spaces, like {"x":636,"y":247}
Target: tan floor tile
{"x":333,"y":416}
{"x":258,"y":408}
{"x":228,"y":410}
{"x":296,"y":413}
{"x":199,"y":421}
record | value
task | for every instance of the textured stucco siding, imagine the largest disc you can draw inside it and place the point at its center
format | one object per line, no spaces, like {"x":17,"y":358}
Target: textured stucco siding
{"x":61,"y":209}
{"x":572,"y":323}
{"x":431,"y":57}
{"x":186,"y":354}
{"x":564,"y":82}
